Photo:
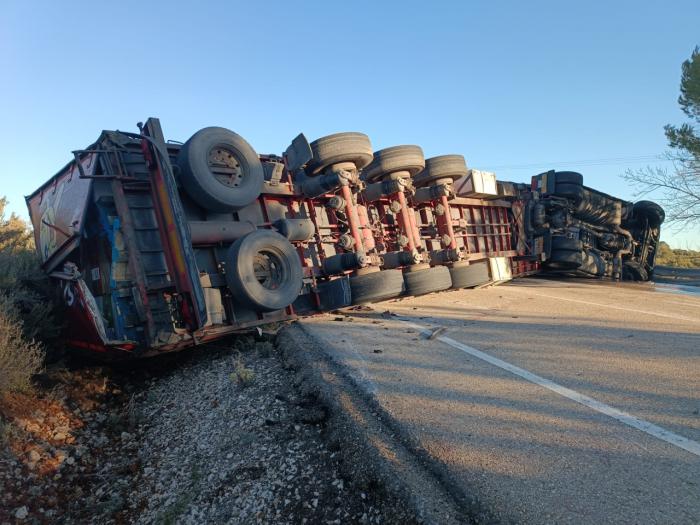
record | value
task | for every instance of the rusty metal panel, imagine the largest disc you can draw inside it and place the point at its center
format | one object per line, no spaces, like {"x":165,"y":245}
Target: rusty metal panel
{"x":57,"y":211}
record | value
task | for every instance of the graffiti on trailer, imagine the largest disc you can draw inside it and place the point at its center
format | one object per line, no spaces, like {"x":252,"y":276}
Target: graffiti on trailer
{"x":48,"y":230}
{"x":58,"y":208}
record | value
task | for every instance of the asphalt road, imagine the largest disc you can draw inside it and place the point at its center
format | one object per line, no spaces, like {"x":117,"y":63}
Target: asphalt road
{"x":549,"y":401}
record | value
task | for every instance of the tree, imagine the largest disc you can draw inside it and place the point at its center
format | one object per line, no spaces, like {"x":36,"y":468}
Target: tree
{"x":679,"y":188}
{"x":14,"y":232}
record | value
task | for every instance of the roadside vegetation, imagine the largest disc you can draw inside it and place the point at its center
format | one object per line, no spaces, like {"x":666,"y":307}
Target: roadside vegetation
{"x":667,"y":256}
{"x":678,"y":189}
{"x":27,"y":319}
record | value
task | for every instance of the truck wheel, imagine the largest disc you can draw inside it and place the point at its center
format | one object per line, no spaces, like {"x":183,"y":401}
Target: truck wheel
{"x":430,"y":280}
{"x":334,"y":294}
{"x":376,"y":286}
{"x":651,"y":211}
{"x":340,"y":147}
{"x":559,"y":242}
{"x":469,"y":276}
{"x":564,"y":260}
{"x":394,"y":159}
{"x":442,"y":167}
{"x":633,"y":271}
{"x":263,"y":271}
{"x":220,"y":170}
{"x":568,"y":177}
{"x":569,"y":191}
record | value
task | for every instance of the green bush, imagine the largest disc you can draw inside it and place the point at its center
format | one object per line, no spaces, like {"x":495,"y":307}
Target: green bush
{"x":241,"y":375}
{"x":27,"y":319}
{"x":667,"y":256}
{"x":20,"y":358}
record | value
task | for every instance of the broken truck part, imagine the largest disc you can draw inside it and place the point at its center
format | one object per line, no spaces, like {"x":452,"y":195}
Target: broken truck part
{"x":154,"y":246}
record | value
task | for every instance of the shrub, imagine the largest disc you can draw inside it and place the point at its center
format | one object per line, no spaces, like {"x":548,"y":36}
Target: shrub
{"x":667,"y":256}
{"x":20,"y":358}
{"x":26,"y":312}
{"x":243,"y":376}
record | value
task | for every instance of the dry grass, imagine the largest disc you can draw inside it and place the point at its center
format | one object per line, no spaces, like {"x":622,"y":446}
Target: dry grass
{"x":241,"y":375}
{"x":20,"y":358}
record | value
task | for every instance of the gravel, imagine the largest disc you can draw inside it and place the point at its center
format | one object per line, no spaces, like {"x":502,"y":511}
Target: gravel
{"x":222,"y":435}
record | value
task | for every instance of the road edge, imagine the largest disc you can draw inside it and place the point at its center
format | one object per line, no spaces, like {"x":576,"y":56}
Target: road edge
{"x":367,"y":439}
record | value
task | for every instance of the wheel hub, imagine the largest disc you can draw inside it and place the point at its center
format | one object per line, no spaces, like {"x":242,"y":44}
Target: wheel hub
{"x":225,"y":166}
{"x":269,"y":270}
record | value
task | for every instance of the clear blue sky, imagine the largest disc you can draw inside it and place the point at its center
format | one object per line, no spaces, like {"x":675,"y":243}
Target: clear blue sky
{"x":504,"y":83}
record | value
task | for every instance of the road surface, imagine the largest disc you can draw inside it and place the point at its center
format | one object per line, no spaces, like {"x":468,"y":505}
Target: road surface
{"x":549,"y":401}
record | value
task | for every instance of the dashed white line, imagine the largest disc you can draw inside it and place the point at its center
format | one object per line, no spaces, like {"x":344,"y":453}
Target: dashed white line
{"x":628,"y":419}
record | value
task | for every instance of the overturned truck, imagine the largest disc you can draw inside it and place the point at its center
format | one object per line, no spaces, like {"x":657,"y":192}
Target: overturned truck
{"x":155,"y":246}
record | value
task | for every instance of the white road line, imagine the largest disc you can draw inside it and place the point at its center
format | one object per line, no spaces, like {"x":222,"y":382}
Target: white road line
{"x":678,"y":288}
{"x":628,"y":419}
{"x":614,"y":307}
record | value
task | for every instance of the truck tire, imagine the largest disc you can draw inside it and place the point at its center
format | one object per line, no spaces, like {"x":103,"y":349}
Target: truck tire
{"x":442,"y":167}
{"x":568,"y":177}
{"x":263,"y":271}
{"x":220,"y":170}
{"x":569,"y":191}
{"x":376,"y":286}
{"x":393,"y":160}
{"x":335,"y":294}
{"x":430,"y":280}
{"x":564,"y":260}
{"x":633,"y":271}
{"x":469,"y":276}
{"x":339,"y":147}
{"x":559,"y":242}
{"x":652,"y":212}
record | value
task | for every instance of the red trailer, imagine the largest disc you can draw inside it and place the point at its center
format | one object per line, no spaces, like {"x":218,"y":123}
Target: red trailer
{"x":154,"y":246}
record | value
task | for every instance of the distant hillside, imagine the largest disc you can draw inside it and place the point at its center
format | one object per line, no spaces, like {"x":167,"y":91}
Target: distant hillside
{"x":667,"y":256}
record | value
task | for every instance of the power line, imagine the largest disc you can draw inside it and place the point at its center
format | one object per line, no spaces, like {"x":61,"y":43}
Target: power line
{"x":585,"y":162}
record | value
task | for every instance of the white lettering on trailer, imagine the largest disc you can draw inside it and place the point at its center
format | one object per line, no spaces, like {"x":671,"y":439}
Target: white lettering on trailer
{"x":628,"y":419}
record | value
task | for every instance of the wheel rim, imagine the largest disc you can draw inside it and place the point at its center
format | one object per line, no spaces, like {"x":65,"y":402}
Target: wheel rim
{"x":269,"y":269}
{"x":225,"y":166}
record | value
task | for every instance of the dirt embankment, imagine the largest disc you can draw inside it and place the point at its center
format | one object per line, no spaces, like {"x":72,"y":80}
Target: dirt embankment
{"x":220,"y":435}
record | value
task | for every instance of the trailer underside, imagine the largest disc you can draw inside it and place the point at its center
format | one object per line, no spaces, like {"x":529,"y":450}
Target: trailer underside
{"x":156,"y":246}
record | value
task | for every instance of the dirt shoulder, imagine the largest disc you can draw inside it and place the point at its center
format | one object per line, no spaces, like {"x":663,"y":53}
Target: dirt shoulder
{"x":224,"y":435}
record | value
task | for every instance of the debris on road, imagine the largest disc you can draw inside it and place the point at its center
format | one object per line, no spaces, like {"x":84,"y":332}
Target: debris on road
{"x":433,"y":333}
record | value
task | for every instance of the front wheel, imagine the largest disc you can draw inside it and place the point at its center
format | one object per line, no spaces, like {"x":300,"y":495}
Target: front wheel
{"x":652,"y":212}
{"x":633,"y":271}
